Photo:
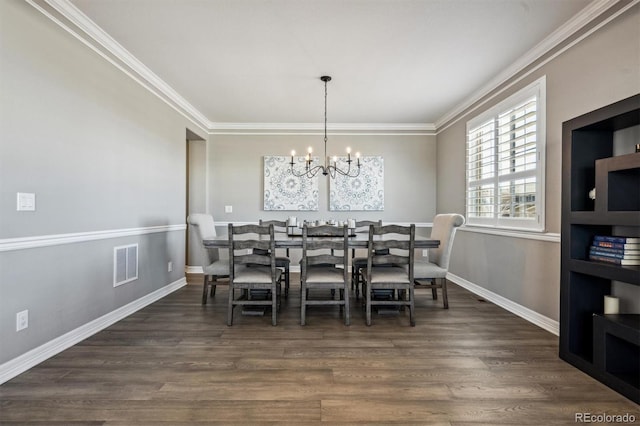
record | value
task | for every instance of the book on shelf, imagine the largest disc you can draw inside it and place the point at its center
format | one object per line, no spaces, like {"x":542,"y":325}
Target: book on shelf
{"x":621,"y":246}
{"x":615,"y":261}
{"x":615,"y":250}
{"x":618,"y":254}
{"x":618,"y":240}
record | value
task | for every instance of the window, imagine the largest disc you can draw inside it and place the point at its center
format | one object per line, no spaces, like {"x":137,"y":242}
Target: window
{"x":505,"y":162}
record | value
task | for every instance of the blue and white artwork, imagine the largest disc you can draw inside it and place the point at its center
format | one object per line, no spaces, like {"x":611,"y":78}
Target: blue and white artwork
{"x":283,"y":190}
{"x":362,"y":193}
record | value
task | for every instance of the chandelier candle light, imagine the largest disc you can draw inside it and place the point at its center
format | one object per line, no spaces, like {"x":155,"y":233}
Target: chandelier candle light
{"x":328,"y":168}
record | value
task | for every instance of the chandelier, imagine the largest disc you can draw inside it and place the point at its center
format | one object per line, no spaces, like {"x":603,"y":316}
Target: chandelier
{"x":310,"y":170}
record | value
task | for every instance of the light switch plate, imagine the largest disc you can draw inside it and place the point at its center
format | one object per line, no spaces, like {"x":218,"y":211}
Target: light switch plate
{"x":26,"y":202}
{"x":228,"y":209}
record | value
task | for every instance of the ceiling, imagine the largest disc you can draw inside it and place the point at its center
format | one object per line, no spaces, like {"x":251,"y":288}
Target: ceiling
{"x":392,"y":61}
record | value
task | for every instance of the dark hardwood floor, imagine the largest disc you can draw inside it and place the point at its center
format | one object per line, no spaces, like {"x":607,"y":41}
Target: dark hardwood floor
{"x":176,"y":362}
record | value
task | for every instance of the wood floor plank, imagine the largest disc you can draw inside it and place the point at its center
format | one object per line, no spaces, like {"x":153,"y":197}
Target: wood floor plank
{"x":176,"y":362}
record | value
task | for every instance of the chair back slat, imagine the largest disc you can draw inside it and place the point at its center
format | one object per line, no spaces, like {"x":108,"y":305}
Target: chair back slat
{"x":264,"y":245}
{"x":324,"y":259}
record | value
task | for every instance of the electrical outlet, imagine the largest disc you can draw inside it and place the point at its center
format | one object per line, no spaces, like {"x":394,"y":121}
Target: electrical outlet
{"x":22,"y":320}
{"x":26,"y":202}
{"x":425,"y":253}
{"x":228,"y":209}
{"x":169,"y":266}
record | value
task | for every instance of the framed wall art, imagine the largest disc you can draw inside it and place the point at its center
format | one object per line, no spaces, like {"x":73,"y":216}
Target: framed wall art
{"x":283,"y":190}
{"x":362,"y":193}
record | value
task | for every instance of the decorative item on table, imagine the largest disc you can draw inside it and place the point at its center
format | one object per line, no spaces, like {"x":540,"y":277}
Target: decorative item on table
{"x":611,"y":305}
{"x":616,"y":250}
{"x":351,"y":223}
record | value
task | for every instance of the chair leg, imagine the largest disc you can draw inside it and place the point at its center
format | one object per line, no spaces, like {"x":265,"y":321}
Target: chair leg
{"x":286,"y":282}
{"x":445,"y":299}
{"x":368,"y":304}
{"x":214,"y":280}
{"x":274,"y":304}
{"x":412,"y":317}
{"x":434,"y":291}
{"x":204,"y":289}
{"x":347,"y":309}
{"x":303,"y":303}
{"x":230,"y":306}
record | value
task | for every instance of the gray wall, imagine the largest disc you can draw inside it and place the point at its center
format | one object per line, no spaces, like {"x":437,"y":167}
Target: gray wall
{"x":101,"y":154}
{"x":236,"y":174}
{"x":601,"y":69}
{"x":236,"y":177}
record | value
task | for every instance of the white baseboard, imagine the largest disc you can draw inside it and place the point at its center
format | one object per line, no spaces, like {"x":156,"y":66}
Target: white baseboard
{"x":193,"y":269}
{"x":533,"y":317}
{"x":22,"y":363}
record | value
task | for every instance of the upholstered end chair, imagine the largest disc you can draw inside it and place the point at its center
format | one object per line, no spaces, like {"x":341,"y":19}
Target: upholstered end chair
{"x":432,"y":273}
{"x":212,"y":266}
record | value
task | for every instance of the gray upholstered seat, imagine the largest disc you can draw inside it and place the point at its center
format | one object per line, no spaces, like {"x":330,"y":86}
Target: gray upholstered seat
{"x":431,"y":273}
{"x":252,"y":266}
{"x":320,"y":270}
{"x":212,"y":266}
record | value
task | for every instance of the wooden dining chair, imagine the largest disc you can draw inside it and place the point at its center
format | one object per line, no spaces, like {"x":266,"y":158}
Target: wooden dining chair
{"x":253,"y":271}
{"x":359,"y":263}
{"x":392,"y":271}
{"x":322,"y":270}
{"x":284,"y":262}
{"x":212,"y":266}
{"x":432,"y":272}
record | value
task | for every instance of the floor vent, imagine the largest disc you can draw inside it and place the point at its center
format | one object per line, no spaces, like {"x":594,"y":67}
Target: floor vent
{"x":125,"y":264}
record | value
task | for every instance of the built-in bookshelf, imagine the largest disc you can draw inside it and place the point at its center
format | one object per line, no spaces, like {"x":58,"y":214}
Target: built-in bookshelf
{"x":604,"y":346}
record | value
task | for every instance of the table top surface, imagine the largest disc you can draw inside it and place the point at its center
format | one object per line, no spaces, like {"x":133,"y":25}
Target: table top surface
{"x":295,"y":241}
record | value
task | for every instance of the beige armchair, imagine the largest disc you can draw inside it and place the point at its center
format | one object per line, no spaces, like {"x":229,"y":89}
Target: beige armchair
{"x":212,"y":267}
{"x":432,"y":273}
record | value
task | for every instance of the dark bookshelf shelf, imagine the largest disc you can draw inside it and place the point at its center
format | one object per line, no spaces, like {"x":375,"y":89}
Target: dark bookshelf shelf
{"x":628,"y":274}
{"x":604,"y":346}
{"x":611,"y":218}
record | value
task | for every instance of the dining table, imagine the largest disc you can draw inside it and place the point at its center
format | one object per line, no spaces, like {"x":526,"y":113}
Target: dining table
{"x":358,"y":240}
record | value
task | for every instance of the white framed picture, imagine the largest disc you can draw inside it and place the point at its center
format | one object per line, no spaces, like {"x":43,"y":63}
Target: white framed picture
{"x":283,"y":190}
{"x":362,"y":193}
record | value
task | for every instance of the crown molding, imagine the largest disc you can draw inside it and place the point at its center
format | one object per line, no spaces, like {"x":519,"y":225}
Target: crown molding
{"x":318,"y":128}
{"x":126,"y":61}
{"x":571,"y":27}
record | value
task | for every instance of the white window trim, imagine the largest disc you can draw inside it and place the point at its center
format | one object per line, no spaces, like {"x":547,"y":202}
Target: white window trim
{"x":539,"y":89}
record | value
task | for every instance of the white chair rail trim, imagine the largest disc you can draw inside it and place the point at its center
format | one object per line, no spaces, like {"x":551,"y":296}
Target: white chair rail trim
{"x":12,"y":244}
{"x":540,"y":236}
{"x":533,"y":317}
{"x":22,"y":363}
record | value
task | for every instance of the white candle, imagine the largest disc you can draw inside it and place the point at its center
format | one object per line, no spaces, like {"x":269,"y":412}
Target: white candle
{"x":611,"y":305}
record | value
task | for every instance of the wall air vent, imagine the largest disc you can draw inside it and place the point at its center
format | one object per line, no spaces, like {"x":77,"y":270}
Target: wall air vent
{"x":125,"y":264}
